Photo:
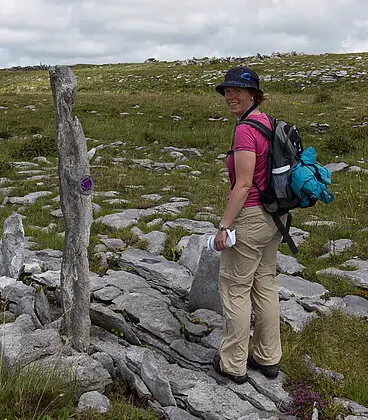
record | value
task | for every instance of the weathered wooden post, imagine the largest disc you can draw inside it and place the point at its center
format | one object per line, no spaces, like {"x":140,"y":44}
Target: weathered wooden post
{"x":75,"y":186}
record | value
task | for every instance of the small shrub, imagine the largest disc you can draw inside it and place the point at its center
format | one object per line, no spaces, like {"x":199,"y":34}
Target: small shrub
{"x":340,"y":143}
{"x":4,"y":135}
{"x":5,"y":167}
{"x":322,"y":96}
{"x":28,"y":149}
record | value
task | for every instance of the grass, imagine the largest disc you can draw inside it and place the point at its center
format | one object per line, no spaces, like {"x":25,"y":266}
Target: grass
{"x":35,"y":395}
{"x":335,"y":342}
{"x":129,"y":109}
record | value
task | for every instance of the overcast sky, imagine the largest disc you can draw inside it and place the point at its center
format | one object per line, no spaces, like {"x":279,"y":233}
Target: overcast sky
{"x":114,"y":31}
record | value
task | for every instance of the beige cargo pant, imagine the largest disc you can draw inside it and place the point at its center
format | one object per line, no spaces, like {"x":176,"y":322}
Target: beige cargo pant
{"x":247,"y":278}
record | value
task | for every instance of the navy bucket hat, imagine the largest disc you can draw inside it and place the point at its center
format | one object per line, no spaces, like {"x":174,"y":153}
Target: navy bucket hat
{"x":239,"y":77}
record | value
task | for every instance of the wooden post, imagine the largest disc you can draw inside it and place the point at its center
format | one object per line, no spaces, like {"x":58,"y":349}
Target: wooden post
{"x":75,"y":186}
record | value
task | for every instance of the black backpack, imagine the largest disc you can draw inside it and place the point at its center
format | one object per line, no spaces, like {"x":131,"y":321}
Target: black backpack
{"x":283,"y":155}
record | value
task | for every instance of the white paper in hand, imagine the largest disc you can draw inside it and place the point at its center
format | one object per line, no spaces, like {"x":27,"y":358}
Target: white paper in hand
{"x":231,"y":238}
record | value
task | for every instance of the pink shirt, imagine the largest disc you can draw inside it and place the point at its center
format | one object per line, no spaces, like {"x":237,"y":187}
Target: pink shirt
{"x":250,"y":139}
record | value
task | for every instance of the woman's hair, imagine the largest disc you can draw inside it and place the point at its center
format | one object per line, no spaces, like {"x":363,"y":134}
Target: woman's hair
{"x":258,"y":96}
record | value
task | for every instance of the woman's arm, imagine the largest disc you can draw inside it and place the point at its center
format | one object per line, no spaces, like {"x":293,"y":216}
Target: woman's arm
{"x":244,"y":162}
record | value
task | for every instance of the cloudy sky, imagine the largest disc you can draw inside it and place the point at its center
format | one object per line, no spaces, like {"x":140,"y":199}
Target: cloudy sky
{"x":114,"y":31}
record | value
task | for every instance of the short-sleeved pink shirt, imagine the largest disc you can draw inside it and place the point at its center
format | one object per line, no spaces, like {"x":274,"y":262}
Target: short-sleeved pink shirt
{"x":250,"y":139}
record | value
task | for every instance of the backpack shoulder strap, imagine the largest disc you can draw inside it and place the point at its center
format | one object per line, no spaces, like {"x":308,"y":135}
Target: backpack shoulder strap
{"x":259,"y":126}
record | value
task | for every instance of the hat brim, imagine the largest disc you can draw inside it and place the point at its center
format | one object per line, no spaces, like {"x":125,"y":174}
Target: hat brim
{"x":221,"y":87}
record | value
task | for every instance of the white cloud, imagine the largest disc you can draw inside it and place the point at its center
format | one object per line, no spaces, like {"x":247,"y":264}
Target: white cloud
{"x":91,"y":31}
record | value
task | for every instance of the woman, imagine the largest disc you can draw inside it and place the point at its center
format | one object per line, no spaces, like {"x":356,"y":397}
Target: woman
{"x":248,"y":269}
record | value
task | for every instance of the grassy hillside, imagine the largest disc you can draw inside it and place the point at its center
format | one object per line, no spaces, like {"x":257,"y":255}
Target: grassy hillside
{"x":150,"y":106}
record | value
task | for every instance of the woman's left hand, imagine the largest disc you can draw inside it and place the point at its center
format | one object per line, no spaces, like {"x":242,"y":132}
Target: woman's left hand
{"x":220,"y":240}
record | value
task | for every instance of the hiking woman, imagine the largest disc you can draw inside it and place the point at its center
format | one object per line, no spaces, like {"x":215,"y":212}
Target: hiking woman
{"x":248,"y":269}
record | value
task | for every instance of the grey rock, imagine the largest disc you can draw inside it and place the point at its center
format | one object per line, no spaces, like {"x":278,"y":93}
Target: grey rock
{"x":213,"y":339}
{"x":149,"y":291}
{"x":113,"y":244}
{"x":320,"y":223}
{"x":100,"y":248}
{"x":354,"y":408}
{"x":212,"y":318}
{"x":159,"y":272}
{"x":91,"y":153}
{"x":150,"y":314}
{"x":174,"y":207}
{"x":183,"y":242}
{"x":102,"y":261}
{"x":155,"y":242}
{"x":203,"y":397}
{"x":150,"y":164}
{"x":193,"y":352}
{"x":21,"y":344}
{"x":125,"y":218}
{"x":106,"y":318}
{"x":154,"y":377}
{"x":25,"y":165}
{"x":295,"y":286}
{"x":317,"y":371}
{"x":106,"y":361}
{"x":270,"y":388}
{"x":32,"y":267}
{"x":292,"y":313}
{"x":247,"y":392}
{"x":298,"y":235}
{"x":190,"y":151}
{"x":253,"y":416}
{"x":191,"y":226}
{"x":134,"y":358}
{"x":57,"y":213}
{"x":130,"y":217}
{"x":337,"y":246}
{"x":12,"y":246}
{"x":87,"y":372}
{"x":154,"y":222}
{"x":106,"y":193}
{"x":123,"y":280}
{"x":42,"y":159}
{"x":16,"y":291}
{"x":357,"y":277}
{"x":357,"y":169}
{"x":176,"y":413}
{"x":49,"y":278}
{"x":192,"y":330}
{"x":355,"y":305}
{"x":321,"y":306}
{"x":204,"y":292}
{"x":49,"y":260}
{"x":107,"y":294}
{"x":336,"y":167}
{"x":151,"y":197}
{"x":6,"y":281}
{"x":191,"y":253}
{"x":134,"y":380}
{"x":288,"y":264}
{"x":26,"y":306}
{"x":30,"y":198}
{"x":95,"y":400}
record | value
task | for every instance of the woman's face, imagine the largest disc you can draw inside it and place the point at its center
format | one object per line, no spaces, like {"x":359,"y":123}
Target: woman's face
{"x":239,"y":100}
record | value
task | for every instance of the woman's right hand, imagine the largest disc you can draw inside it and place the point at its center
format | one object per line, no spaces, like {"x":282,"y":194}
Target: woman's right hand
{"x":220,"y":240}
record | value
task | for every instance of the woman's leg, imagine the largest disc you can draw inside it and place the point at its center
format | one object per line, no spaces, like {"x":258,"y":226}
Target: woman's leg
{"x":237,"y":269}
{"x":265,"y":302}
